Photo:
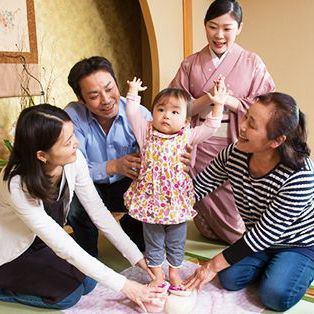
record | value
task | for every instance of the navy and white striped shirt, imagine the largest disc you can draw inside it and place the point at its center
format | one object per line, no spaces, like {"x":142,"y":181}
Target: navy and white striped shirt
{"x":277,"y":209}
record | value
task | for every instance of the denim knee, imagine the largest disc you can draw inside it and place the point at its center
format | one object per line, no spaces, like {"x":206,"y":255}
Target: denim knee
{"x":285,"y":280}
{"x":228,"y":280}
{"x":36,"y":301}
{"x":71,"y":299}
{"x":276,"y":297}
{"x":89,"y":285}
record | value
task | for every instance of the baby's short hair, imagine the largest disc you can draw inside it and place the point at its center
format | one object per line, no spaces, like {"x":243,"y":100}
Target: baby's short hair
{"x":176,"y":93}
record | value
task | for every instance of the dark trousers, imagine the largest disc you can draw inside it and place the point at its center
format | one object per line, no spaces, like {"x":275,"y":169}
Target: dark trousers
{"x":85,"y":232}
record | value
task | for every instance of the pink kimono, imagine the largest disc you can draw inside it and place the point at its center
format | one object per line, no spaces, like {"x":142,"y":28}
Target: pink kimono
{"x":247,"y":77}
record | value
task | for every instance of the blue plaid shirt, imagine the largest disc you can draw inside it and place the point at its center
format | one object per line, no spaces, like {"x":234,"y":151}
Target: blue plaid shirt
{"x":99,"y":147}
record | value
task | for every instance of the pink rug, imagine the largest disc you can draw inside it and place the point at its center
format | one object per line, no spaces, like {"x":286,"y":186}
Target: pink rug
{"x":212,"y":300}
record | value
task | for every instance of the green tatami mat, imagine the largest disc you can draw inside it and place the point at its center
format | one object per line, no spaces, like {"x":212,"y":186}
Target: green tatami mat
{"x":15,"y":308}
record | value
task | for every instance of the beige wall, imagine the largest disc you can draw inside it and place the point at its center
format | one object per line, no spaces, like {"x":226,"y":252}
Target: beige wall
{"x":272,"y":28}
{"x":167,"y":18}
{"x":281,"y":32}
{"x":69,"y":30}
{"x":198,"y":14}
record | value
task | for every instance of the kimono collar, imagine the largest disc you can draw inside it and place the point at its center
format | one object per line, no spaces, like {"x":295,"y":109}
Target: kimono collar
{"x":215,"y":59}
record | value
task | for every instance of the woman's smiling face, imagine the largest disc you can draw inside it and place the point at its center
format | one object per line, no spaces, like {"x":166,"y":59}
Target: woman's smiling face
{"x":221,"y":33}
{"x":253,"y":137}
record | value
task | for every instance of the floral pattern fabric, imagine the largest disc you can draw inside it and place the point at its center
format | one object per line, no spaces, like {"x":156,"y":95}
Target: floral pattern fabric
{"x":163,"y":192}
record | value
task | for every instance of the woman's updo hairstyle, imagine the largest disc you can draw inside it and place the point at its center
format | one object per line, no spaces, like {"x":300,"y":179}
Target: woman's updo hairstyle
{"x":221,"y":7}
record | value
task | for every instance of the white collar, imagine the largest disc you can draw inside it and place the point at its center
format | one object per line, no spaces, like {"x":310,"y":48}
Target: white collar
{"x":215,"y":59}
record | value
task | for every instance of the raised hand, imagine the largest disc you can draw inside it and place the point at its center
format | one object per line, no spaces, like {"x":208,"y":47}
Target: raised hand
{"x":219,"y":95}
{"x":135,"y":86}
{"x":220,"y":92}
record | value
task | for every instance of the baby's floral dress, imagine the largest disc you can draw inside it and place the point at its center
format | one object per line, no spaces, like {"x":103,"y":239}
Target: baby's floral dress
{"x":163,"y":192}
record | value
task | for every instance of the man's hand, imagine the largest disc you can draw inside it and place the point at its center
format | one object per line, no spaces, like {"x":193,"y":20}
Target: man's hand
{"x":127,"y":165}
{"x":186,"y":158}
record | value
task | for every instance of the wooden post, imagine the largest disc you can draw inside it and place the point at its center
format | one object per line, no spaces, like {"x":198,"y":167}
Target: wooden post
{"x":187,"y":28}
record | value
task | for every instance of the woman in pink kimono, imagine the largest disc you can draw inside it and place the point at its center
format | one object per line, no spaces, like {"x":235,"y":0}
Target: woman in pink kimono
{"x":246,"y":77}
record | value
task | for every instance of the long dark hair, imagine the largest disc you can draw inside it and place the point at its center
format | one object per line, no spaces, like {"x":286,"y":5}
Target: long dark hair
{"x":221,"y":7}
{"x":37,"y":128}
{"x":288,"y":120}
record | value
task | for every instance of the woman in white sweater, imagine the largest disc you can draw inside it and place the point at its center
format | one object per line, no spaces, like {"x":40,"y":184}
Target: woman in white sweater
{"x":40,"y":264}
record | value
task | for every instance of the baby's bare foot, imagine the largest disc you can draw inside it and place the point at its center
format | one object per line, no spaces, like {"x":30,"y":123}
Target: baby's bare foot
{"x":156,"y":282}
{"x":174,"y":277}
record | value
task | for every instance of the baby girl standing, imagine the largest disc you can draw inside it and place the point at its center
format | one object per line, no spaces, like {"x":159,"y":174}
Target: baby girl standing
{"x":162,"y":196}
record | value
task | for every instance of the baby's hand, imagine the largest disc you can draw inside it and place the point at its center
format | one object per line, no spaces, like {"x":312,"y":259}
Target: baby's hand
{"x":135,"y":86}
{"x":219,"y":96}
{"x":220,"y":92}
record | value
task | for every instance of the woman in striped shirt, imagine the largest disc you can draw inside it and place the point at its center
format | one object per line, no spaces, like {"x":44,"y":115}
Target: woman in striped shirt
{"x":272,"y":179}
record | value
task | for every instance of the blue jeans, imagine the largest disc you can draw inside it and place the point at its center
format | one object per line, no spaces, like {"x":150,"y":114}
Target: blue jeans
{"x":283,"y":277}
{"x":86,"y":287}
